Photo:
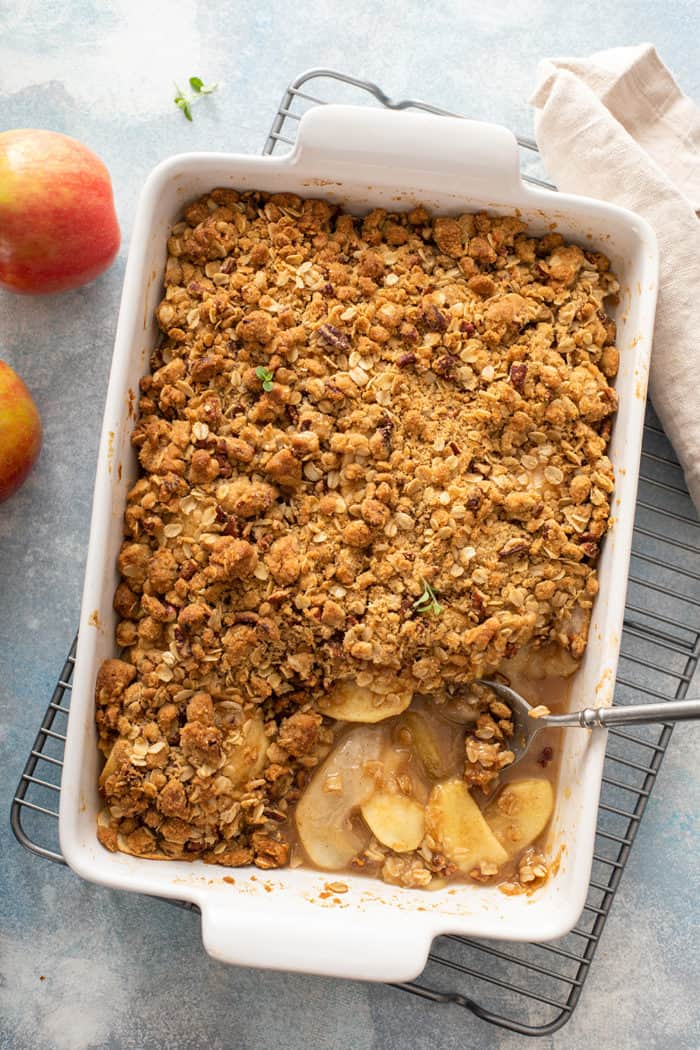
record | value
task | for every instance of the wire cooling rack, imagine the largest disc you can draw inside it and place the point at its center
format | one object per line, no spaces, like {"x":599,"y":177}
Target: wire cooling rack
{"x":531,"y":989}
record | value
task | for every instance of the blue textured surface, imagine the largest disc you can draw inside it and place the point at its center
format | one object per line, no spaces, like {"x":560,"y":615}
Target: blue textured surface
{"x":121,"y":971}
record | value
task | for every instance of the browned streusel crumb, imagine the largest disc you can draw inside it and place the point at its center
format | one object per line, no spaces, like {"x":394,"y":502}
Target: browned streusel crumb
{"x":406,"y":870}
{"x":342,"y":412}
{"x":533,"y":872}
{"x":541,"y":711}
{"x":486,"y":739}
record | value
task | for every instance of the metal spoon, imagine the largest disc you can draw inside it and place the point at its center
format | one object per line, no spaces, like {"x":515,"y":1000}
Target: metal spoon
{"x":525,"y":728}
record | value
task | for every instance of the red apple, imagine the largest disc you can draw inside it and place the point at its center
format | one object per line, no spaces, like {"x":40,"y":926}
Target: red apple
{"x":20,"y":432}
{"x":58,"y":227}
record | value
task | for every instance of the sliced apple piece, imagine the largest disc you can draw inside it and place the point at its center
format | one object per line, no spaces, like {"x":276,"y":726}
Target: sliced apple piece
{"x":247,"y":756}
{"x":454,"y":820}
{"x":336,"y":792}
{"x":397,"y":821}
{"x":349,"y":702}
{"x":520,"y":812}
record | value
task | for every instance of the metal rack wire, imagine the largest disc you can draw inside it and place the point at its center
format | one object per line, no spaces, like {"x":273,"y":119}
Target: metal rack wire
{"x":531,"y":989}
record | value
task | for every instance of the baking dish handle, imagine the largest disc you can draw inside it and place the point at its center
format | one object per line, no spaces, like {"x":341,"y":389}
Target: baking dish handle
{"x":386,"y":147}
{"x":329,"y":940}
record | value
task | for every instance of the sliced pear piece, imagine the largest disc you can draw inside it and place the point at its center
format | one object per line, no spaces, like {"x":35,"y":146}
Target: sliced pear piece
{"x":454,"y":820}
{"x":549,"y":661}
{"x":520,"y":812}
{"x":425,"y":745}
{"x":464,"y":710}
{"x":397,"y":821}
{"x":349,"y":702}
{"x":393,"y":762}
{"x":247,"y":756}
{"x":337,"y":790}
{"x":396,"y":765}
{"x":118,"y":756}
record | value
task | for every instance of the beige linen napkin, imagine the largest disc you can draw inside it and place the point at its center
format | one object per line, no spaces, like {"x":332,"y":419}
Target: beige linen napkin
{"x":616,"y":126}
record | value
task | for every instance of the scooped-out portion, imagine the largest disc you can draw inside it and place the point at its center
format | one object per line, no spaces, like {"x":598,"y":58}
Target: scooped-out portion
{"x":427,"y":798}
{"x":372,"y":469}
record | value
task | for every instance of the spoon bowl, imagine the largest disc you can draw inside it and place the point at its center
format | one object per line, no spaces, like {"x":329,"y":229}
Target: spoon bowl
{"x":526,"y":726}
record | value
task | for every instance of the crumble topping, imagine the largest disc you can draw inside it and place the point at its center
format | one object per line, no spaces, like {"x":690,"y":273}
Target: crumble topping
{"x":344,"y":412}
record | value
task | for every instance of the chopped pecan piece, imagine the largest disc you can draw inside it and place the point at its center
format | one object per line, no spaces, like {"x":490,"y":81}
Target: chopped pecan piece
{"x":434,"y":318}
{"x":515,"y":546}
{"x":404,"y":360}
{"x":518,"y":374}
{"x":334,"y":337}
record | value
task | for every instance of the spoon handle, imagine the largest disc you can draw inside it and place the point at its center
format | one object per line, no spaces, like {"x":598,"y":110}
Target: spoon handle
{"x":635,"y":714}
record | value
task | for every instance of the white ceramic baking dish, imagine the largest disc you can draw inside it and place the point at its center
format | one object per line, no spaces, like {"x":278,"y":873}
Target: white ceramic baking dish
{"x":285,"y":919}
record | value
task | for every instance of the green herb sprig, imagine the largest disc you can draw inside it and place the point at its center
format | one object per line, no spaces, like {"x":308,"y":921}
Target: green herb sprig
{"x":184,"y":102}
{"x":266,"y":377}
{"x":427,"y":602}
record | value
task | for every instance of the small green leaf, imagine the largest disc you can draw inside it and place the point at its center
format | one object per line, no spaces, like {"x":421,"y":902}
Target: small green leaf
{"x":200,"y":88}
{"x":184,"y":103}
{"x":427,"y":602}
{"x":266,"y":377}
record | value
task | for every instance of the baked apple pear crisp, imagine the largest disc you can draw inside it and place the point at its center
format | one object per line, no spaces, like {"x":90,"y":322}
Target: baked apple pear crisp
{"x":372,"y":469}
